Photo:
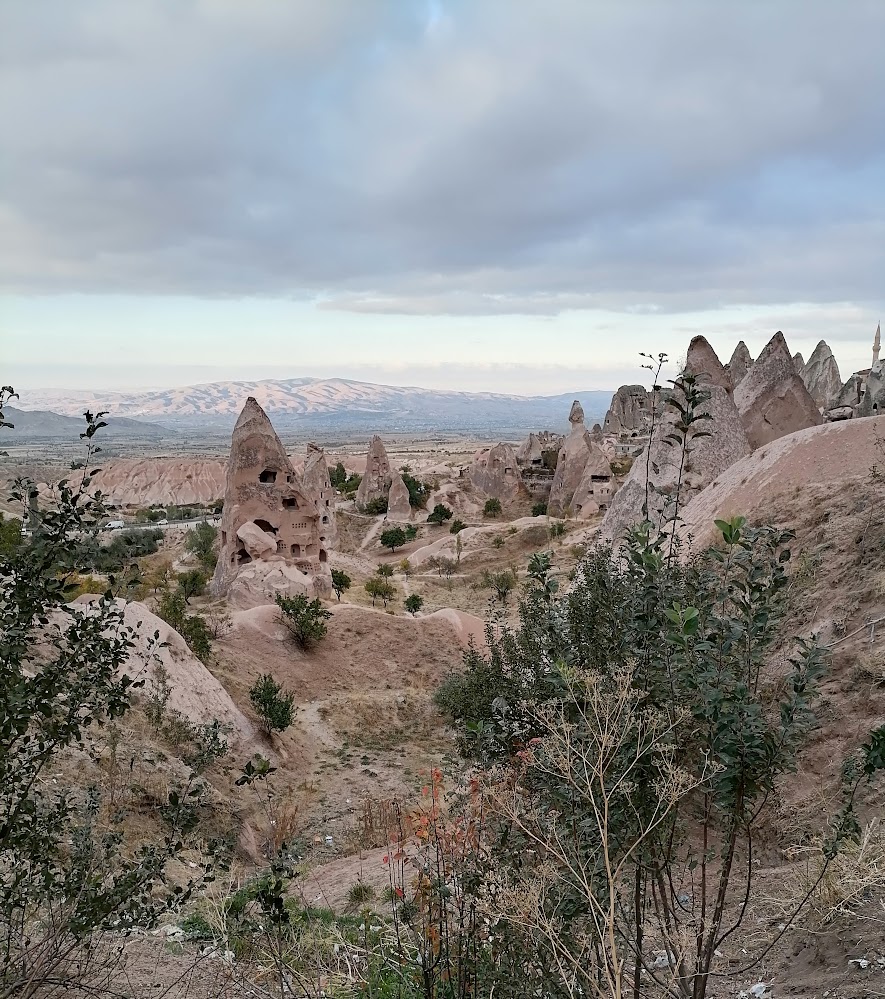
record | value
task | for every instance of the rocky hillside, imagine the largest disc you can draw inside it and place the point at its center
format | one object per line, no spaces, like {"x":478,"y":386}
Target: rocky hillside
{"x":39,"y":424}
{"x":338,"y":402}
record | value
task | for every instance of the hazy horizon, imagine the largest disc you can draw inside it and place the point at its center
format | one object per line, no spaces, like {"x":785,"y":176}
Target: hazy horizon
{"x":477,"y":196}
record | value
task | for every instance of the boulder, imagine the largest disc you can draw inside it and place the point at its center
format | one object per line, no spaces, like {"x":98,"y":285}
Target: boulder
{"x":659,"y":462}
{"x":821,"y":376}
{"x":772,"y":400}
{"x":375,"y":483}
{"x":258,"y":543}
{"x":398,"y":506}
{"x":740,"y":363}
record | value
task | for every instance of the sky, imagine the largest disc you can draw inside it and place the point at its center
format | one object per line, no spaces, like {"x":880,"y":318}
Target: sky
{"x":464,"y":194}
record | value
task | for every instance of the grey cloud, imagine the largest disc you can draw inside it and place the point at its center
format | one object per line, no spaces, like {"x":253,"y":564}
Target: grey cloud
{"x":529,"y":158}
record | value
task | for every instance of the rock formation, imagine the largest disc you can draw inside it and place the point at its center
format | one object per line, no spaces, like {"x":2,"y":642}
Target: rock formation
{"x":629,"y":411}
{"x":146,"y":481}
{"x":740,"y":364}
{"x":582,"y":483}
{"x":375,"y":483}
{"x":772,"y":399}
{"x":821,"y":376}
{"x":863,"y":394}
{"x":269,"y":519}
{"x":539,"y":449}
{"x":494,"y":471}
{"x":315,"y":479}
{"x":799,"y":362}
{"x":398,"y":506}
{"x":707,"y":458}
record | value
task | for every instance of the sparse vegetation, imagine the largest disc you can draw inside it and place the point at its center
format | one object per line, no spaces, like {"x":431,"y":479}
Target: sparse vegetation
{"x":492,"y":507}
{"x":273,"y":704}
{"x":381,"y":589}
{"x":539,"y":510}
{"x":306,"y":619}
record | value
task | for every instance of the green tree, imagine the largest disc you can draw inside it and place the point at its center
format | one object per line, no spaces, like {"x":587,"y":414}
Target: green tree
{"x":273,"y":704}
{"x":418,"y":491}
{"x":501,"y":582}
{"x":539,"y":510}
{"x":380,"y":589}
{"x":305,"y":619}
{"x":414,"y":602}
{"x":376,"y":506}
{"x":67,"y":672}
{"x":492,"y":507}
{"x":392,"y":538}
{"x":338,"y":475}
{"x":440,"y":514}
{"x":411,"y":532}
{"x":191,"y":584}
{"x":200,"y":540}
{"x":385,"y":571}
{"x":457,"y":526}
{"x":10,"y":535}
{"x":340,"y":582}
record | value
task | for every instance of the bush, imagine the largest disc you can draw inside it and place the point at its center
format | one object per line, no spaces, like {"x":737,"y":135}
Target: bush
{"x":414,"y":603}
{"x":457,"y":527}
{"x":539,"y":510}
{"x":273,"y":704}
{"x":192,"y":627}
{"x":305,"y":619}
{"x":440,"y":514}
{"x":557,"y":529}
{"x":10,"y":535}
{"x":191,"y":584}
{"x":411,"y":532}
{"x":376,"y":506}
{"x":380,"y":589}
{"x":418,"y":491}
{"x":200,"y":540}
{"x":385,"y":571}
{"x":393,"y":538}
{"x":492,"y":507}
{"x":340,"y":582}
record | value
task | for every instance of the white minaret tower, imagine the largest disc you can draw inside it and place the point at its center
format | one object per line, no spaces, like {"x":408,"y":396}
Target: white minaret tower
{"x":876,"y":342}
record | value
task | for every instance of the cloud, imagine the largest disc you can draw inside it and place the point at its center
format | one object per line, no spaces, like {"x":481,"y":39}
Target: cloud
{"x":454,"y":158}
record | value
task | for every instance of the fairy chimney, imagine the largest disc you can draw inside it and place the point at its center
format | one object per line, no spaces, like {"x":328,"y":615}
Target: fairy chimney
{"x":579,"y":456}
{"x":269,"y":517}
{"x":317,"y":484}
{"x":821,"y":376}
{"x":375,"y":483}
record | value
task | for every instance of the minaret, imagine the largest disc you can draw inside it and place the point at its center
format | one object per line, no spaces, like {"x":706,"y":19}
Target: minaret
{"x":876,"y":341}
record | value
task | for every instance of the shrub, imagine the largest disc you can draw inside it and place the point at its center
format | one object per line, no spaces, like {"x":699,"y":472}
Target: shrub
{"x":191,"y":584}
{"x":393,"y":538}
{"x":492,"y":507}
{"x":376,"y":505}
{"x":340,"y":582}
{"x":457,"y":526}
{"x":385,"y":571}
{"x":305,"y":619}
{"x":414,"y":603}
{"x":539,"y":510}
{"x":497,"y":541}
{"x":411,"y":532}
{"x":273,"y":704}
{"x":440,"y":514}
{"x":200,"y":540}
{"x":380,"y":589}
{"x":10,"y":534}
{"x":418,"y":491}
{"x":556,"y":529}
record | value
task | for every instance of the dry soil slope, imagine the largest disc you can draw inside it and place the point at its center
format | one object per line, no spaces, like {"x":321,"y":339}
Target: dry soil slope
{"x":817,"y":456}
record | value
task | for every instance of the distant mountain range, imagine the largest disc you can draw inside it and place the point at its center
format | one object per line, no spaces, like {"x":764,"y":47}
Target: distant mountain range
{"x":39,"y":423}
{"x":330,"y":404}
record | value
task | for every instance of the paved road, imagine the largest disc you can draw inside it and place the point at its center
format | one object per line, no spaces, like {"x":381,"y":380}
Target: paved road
{"x":215,"y":521}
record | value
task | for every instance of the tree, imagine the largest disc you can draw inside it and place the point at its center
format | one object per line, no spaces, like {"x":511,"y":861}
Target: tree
{"x":502,"y":583}
{"x":376,"y":506}
{"x":66,"y":672}
{"x":200,"y":540}
{"x":10,"y":535}
{"x":340,"y":582}
{"x":411,"y":532}
{"x":418,"y":491}
{"x":385,"y":571}
{"x":440,"y":514}
{"x":539,"y":510}
{"x":393,"y":538}
{"x":457,"y":526}
{"x":191,"y":584}
{"x":193,"y":628}
{"x":414,"y":603}
{"x":492,"y":507}
{"x":274,"y":705}
{"x":380,"y":589}
{"x":338,"y":475}
{"x":305,"y":619}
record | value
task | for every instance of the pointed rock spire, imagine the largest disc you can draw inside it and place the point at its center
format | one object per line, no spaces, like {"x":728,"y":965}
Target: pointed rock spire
{"x":773,"y":400}
{"x":740,"y":363}
{"x":821,"y":376}
{"x":375,"y":483}
{"x":576,"y":414}
{"x":798,"y":362}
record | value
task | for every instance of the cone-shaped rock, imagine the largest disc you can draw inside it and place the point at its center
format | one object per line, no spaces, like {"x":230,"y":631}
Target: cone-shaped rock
{"x":799,"y":362}
{"x":821,"y":376}
{"x":570,"y":494}
{"x":629,"y":411}
{"x":494,"y":472}
{"x":740,"y":363}
{"x":773,"y":400}
{"x":268,"y":515}
{"x":659,"y":463}
{"x":375,"y":483}
{"x":317,"y":483}
{"x":398,"y":505}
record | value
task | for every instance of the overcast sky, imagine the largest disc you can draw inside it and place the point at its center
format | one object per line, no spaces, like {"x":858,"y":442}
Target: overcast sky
{"x":498,"y":194}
